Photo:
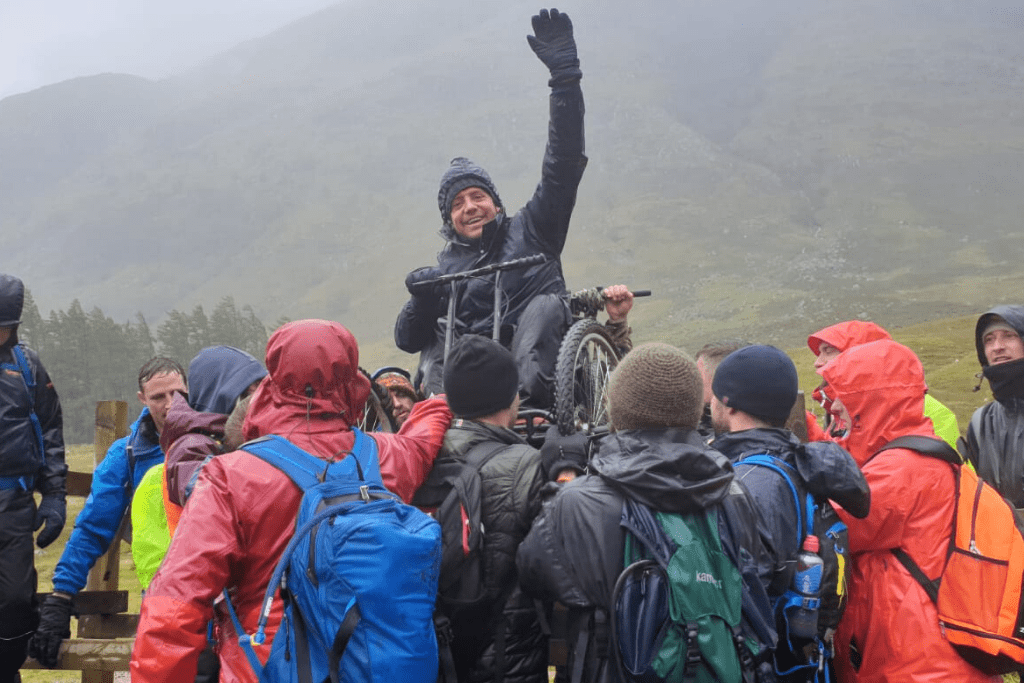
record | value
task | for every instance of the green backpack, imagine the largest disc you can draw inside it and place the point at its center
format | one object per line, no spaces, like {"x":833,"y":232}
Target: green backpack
{"x":678,"y":604}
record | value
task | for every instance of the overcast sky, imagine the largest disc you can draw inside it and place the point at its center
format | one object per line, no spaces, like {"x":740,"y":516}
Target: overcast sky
{"x":47,"y":41}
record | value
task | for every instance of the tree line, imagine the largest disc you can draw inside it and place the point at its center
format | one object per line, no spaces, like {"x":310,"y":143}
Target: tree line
{"x":91,"y":358}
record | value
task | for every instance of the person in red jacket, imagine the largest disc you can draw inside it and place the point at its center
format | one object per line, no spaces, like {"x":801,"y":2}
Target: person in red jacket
{"x":890,"y":630}
{"x":241,"y":514}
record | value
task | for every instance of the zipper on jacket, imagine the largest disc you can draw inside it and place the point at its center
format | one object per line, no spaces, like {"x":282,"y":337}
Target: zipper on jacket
{"x":974,"y":517}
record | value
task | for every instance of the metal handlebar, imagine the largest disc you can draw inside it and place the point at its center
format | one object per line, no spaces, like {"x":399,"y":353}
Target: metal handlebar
{"x":477,"y":272}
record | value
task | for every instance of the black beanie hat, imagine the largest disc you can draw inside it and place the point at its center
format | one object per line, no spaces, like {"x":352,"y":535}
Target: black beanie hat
{"x":463,"y":173}
{"x":758,"y":380}
{"x":480,"y":377}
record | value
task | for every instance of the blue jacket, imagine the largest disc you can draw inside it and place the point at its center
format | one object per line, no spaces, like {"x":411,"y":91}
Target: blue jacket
{"x":112,"y":489}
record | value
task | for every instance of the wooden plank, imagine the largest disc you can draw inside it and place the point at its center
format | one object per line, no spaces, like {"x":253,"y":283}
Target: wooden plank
{"x":79,"y":483}
{"x":98,"y":655}
{"x":98,"y":602}
{"x":108,"y":626}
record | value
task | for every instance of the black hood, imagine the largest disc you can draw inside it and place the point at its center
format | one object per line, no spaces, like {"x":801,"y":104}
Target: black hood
{"x":828,"y":471}
{"x":1013,"y":315}
{"x":12,"y":299}
{"x":666,"y":469}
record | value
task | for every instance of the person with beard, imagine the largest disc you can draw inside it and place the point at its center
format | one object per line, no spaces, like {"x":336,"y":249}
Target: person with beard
{"x":241,"y":513}
{"x":753,"y":390}
{"x":708,"y":357}
{"x":994,"y":443}
{"x":479,"y":232}
{"x":890,"y":630}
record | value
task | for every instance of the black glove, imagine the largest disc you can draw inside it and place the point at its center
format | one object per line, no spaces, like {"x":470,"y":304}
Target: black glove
{"x":52,"y":511}
{"x":555,"y":46}
{"x":54,"y":627}
{"x":559,"y":453}
{"x":422,"y":275}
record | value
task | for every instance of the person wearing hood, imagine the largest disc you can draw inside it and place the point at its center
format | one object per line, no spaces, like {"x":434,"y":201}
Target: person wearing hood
{"x":753,"y":391}
{"x":113,"y":483}
{"x":479,"y":232}
{"x":654,"y":455}
{"x":890,"y":630}
{"x":829,"y":342}
{"x":31,"y":459}
{"x":994,"y":443}
{"x":241,"y":513}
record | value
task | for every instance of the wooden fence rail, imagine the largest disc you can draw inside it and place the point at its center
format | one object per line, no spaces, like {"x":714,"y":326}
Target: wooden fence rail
{"x":105,"y":631}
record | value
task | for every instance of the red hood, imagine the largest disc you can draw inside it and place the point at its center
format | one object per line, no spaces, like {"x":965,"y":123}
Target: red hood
{"x":314,"y":374}
{"x":882,"y":386}
{"x":846,"y":335}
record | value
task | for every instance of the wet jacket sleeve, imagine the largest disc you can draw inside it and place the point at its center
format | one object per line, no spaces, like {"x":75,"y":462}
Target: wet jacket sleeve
{"x":547,"y":213}
{"x":406,"y":457}
{"x":179,"y":604}
{"x":414,"y":328}
{"x":98,"y":522}
{"x":51,"y":477}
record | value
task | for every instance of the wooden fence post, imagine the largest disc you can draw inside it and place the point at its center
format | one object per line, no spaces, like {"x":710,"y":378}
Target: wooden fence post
{"x":111,"y":425}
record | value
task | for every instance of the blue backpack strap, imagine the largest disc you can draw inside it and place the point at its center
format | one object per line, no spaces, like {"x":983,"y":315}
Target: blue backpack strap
{"x":303,"y":468}
{"x":805,"y":513}
{"x":30,"y":387}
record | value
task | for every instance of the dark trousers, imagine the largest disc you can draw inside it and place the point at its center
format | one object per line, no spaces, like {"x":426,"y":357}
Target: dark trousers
{"x":534,"y":342}
{"x":19,"y":615}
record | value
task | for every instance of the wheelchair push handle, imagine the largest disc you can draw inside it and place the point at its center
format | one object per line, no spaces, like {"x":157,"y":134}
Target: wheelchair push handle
{"x":477,"y":272}
{"x":636,"y":293}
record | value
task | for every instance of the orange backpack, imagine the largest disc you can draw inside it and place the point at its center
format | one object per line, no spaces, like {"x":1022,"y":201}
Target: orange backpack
{"x":978,"y":595}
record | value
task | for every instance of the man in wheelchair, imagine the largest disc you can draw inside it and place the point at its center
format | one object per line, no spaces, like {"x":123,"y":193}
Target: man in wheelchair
{"x":533,"y":301}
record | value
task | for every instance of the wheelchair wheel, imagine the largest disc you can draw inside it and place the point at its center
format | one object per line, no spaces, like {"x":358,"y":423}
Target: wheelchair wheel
{"x":586,"y":359}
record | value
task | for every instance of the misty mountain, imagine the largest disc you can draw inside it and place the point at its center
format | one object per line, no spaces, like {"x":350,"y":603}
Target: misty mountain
{"x":765,"y":168}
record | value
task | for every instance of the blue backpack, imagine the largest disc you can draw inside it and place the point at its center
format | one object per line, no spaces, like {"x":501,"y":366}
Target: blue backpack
{"x":817,"y":518}
{"x":358,"y":578}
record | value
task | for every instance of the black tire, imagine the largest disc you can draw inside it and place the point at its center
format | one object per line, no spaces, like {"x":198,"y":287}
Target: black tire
{"x":586,"y":359}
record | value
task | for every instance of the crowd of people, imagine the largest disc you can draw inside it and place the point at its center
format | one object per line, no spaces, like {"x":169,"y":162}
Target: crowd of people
{"x":699,"y":455}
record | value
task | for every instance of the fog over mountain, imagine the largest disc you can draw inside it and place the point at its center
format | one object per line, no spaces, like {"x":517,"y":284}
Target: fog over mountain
{"x":765,"y":168}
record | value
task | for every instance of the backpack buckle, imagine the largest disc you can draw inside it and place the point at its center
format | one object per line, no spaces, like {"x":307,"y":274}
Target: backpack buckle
{"x":364,"y":493}
{"x":693,"y":657}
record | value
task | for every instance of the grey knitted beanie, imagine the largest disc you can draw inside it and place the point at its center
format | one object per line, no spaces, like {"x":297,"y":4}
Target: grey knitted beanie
{"x":463,"y":173}
{"x":655,"y":385}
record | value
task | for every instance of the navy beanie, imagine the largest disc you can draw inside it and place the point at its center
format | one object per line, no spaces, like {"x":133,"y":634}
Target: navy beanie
{"x":217,"y":377}
{"x":463,"y":173}
{"x":480,"y":377}
{"x":758,"y":380}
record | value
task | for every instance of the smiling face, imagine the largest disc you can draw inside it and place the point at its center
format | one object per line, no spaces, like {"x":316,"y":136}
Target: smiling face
{"x":472,"y":209}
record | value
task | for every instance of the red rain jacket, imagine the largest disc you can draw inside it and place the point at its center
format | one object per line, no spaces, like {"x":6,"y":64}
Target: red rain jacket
{"x":889,"y":619}
{"x":242,"y":512}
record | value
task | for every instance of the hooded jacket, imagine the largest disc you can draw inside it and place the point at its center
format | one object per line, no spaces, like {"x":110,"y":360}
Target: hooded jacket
{"x":511,"y":480}
{"x":575,"y":549}
{"x":540,"y":227}
{"x":242,"y":512}
{"x":846,"y":335}
{"x":194,"y":430}
{"x":113,"y":483}
{"x":890,"y":630}
{"x":994,"y":443}
{"x":19,"y":444}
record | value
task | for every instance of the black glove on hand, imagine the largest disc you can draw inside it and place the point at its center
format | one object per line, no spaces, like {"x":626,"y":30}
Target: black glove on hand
{"x":52,"y":511}
{"x":431,"y":293}
{"x":559,"y":452}
{"x":555,"y":46}
{"x":54,"y":627}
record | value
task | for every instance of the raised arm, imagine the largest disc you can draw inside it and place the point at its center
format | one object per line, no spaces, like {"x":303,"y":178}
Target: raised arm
{"x":547,"y":213}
